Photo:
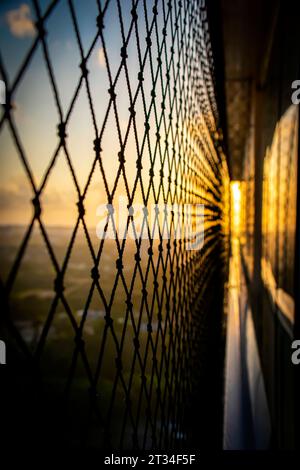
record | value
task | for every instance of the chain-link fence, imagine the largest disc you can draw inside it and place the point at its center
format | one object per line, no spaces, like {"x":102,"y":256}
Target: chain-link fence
{"x":110,"y":335}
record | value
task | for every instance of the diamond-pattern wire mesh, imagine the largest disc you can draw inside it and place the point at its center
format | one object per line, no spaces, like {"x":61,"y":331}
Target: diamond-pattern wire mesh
{"x":151,"y":356}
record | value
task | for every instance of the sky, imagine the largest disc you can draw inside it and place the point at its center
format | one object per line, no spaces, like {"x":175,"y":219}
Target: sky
{"x":36,"y":115}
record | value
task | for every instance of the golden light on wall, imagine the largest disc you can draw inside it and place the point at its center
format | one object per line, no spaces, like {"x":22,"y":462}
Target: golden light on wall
{"x":236,"y":208}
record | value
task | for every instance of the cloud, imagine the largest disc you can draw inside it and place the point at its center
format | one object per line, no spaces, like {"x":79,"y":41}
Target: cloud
{"x":101,"y":57}
{"x":19,"y":21}
{"x":15,"y":194}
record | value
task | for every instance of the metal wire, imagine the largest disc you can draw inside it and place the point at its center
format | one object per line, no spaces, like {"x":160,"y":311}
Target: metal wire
{"x":145,"y":403}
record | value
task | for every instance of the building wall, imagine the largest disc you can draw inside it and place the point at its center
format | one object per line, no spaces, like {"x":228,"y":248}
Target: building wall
{"x":270,"y":167}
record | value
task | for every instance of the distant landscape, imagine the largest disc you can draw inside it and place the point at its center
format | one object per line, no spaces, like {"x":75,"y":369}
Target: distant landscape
{"x":33,"y":293}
